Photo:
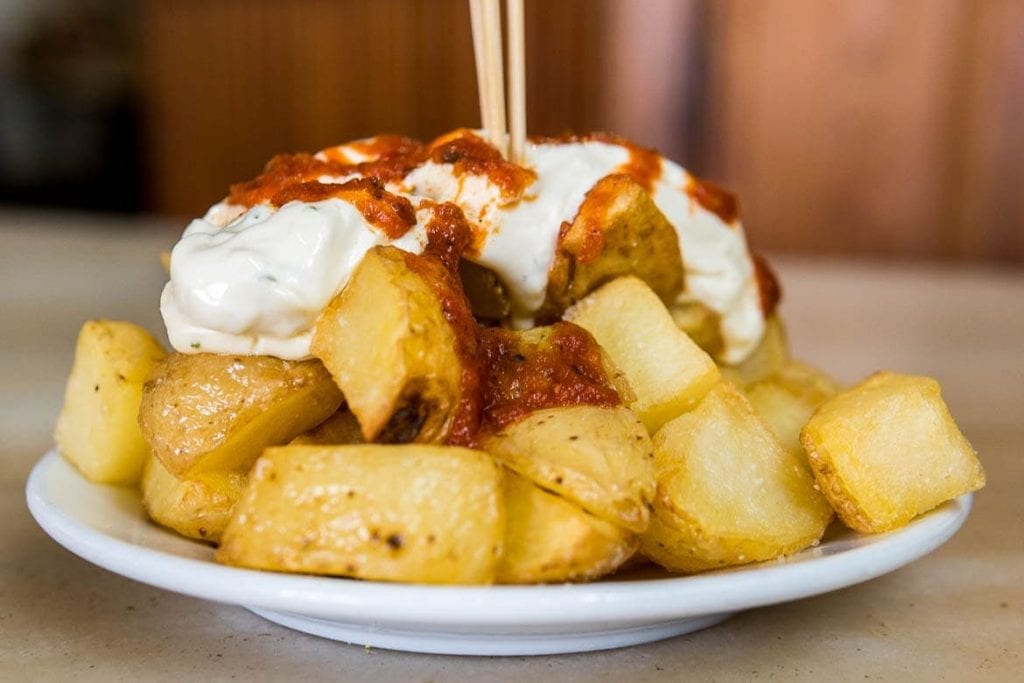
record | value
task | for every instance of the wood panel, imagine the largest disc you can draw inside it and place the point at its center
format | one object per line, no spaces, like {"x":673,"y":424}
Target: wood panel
{"x":231,"y":82}
{"x":870,"y":126}
{"x":989,"y":164}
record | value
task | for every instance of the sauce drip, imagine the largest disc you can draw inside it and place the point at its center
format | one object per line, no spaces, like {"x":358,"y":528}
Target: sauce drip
{"x":294,"y":177}
{"x":449,"y":234}
{"x":445,"y":284}
{"x":588,"y":239}
{"x":552,"y":367}
{"x":768,"y":286}
{"x":713,"y":198}
{"x":376,"y":148}
{"x":469,"y":154}
{"x":279,"y":173}
{"x":391,"y":214}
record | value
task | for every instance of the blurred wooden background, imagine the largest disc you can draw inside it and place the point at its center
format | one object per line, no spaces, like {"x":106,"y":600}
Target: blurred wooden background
{"x":875,"y":127}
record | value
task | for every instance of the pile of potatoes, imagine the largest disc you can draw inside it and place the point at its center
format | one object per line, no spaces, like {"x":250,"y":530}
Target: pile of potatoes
{"x":343,"y":465}
{"x":419,"y":445}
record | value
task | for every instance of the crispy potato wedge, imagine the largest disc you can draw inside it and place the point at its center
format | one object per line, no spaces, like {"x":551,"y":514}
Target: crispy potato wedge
{"x":727,"y":492}
{"x":888,"y":450}
{"x":548,"y":539}
{"x":400,"y":341}
{"x":197,"y":507}
{"x":97,"y":430}
{"x":770,"y":356}
{"x":206,"y":412}
{"x":787,"y":400}
{"x":617,"y":231}
{"x":668,"y":373}
{"x":597,"y":457}
{"x":416,"y":513}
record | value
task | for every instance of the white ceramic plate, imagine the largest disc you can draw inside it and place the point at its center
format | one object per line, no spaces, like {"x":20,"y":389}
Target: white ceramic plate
{"x":106,"y":526}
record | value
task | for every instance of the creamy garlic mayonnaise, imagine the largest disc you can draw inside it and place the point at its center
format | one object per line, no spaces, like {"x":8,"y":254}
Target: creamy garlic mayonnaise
{"x":257,"y":283}
{"x":254,"y":281}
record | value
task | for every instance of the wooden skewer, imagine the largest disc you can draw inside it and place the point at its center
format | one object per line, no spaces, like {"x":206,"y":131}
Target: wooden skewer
{"x":495,"y":74}
{"x":485,"y":16}
{"x":517,"y":80}
{"x":477,"y":23}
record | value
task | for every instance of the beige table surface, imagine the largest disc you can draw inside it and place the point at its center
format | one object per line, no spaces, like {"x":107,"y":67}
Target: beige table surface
{"x":957,"y":614}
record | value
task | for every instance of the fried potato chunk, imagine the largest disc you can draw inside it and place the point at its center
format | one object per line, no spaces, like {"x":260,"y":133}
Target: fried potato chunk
{"x":97,"y":430}
{"x":597,"y":457}
{"x":768,"y":358}
{"x":400,"y":341}
{"x":548,"y":539}
{"x":888,"y":450}
{"x":667,"y":371}
{"x":197,"y":507}
{"x":207,"y":412}
{"x":617,"y":231}
{"x":727,"y":492}
{"x":416,"y":513}
{"x":787,"y":400}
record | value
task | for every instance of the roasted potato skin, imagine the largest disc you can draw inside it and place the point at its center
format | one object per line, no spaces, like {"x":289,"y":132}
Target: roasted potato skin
{"x":549,"y":540}
{"x":597,"y":457}
{"x":727,"y":492}
{"x":97,"y":430}
{"x":415,"y":513}
{"x":400,"y":342}
{"x":888,"y":450}
{"x":617,"y":231}
{"x":197,"y":507}
{"x":208,"y":412}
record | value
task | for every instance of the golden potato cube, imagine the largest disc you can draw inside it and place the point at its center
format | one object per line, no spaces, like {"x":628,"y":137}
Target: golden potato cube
{"x":668,"y":373}
{"x":416,"y":513}
{"x":727,"y":492}
{"x":617,"y":231}
{"x":768,"y":358}
{"x":599,"y":458}
{"x":548,"y":539}
{"x":98,"y":430}
{"x":787,"y":400}
{"x":888,"y":450}
{"x":207,"y":412}
{"x":400,"y":341}
{"x":197,"y":507}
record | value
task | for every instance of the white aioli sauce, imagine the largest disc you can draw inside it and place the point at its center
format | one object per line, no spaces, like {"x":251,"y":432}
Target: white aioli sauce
{"x":258,"y":284}
{"x":255,"y":281}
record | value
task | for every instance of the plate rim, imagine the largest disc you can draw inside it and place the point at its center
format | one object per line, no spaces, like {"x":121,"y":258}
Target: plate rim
{"x":634,"y":601}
